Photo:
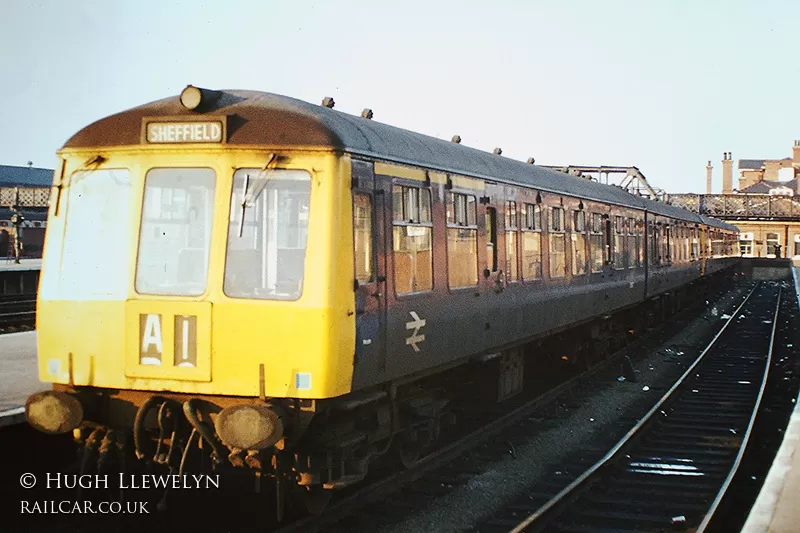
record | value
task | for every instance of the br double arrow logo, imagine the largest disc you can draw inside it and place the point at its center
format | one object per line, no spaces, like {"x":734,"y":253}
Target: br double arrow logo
{"x":416,"y":324}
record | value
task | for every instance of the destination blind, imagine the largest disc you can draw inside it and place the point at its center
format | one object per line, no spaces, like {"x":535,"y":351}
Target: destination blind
{"x":184,"y":132}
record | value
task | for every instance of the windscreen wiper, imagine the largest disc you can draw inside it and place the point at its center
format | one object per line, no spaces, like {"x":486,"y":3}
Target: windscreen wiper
{"x":248,"y":197}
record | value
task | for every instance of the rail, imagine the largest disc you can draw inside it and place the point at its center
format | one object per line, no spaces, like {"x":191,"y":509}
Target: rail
{"x":17,"y":310}
{"x":748,"y":326}
{"x":452,"y":463}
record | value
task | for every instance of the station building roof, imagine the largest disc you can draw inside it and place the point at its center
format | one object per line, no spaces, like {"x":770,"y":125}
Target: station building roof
{"x":11,"y":176}
{"x":758,"y":164}
{"x":751,"y":164}
{"x":764,"y":186}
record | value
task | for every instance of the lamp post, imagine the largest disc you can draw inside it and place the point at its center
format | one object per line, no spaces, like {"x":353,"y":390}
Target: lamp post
{"x":17,"y":219}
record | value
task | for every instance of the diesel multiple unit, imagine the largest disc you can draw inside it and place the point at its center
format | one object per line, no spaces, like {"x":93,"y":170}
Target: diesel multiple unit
{"x":243,"y":280}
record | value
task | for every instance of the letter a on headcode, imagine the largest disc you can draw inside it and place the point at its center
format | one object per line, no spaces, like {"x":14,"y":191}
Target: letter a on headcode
{"x":152,"y":334}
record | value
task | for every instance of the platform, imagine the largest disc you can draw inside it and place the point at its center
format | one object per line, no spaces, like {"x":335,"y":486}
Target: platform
{"x":19,"y":375}
{"x":777,"y":508}
{"x":22,"y":278}
{"x":24,"y":264}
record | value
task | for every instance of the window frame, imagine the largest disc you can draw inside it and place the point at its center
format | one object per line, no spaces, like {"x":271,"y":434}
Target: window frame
{"x":372,"y":249}
{"x":511,"y":217}
{"x":576,"y":231}
{"x":531,"y":222}
{"x":227,"y":287}
{"x":596,"y":229}
{"x":143,"y":223}
{"x":410,"y":222}
{"x":459,"y":199}
{"x":620,"y":236}
{"x":556,"y":228}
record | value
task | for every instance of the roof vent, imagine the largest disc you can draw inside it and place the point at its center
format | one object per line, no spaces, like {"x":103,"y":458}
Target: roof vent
{"x":498,"y":151}
{"x":456,"y":139}
{"x":367,"y":114}
{"x":328,"y":102}
{"x":531,"y":161}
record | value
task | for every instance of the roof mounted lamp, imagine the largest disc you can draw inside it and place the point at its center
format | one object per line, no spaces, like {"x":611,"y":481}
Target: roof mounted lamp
{"x":194,"y":98}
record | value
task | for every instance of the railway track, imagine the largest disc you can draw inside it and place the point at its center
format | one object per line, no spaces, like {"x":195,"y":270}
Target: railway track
{"x":387,"y":500}
{"x":672,"y":469}
{"x":17,"y":310}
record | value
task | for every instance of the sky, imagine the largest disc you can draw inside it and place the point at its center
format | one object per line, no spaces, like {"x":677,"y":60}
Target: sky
{"x":662,"y":85}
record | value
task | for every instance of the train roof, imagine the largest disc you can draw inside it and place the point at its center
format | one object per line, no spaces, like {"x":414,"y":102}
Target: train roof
{"x":717,"y":223}
{"x":265,"y":119}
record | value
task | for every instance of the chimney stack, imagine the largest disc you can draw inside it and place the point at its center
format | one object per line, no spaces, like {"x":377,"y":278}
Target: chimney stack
{"x":727,"y":173}
{"x":796,"y":154}
{"x":708,"y":177}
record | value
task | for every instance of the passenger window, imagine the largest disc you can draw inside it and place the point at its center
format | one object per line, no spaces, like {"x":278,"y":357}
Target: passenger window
{"x":655,"y":245}
{"x":491,"y":238}
{"x":596,"y":242}
{"x":362,"y":236}
{"x":667,"y":254}
{"x":413,"y":251}
{"x":558,"y":252}
{"x":619,"y":243}
{"x":579,"y":242}
{"x":462,"y":241}
{"x":511,"y":241}
{"x":531,"y":242}
{"x":632,"y":244}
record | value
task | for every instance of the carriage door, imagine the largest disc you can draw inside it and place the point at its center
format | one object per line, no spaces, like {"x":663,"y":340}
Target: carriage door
{"x":492,"y":272}
{"x":369,"y":238}
{"x":608,"y":242}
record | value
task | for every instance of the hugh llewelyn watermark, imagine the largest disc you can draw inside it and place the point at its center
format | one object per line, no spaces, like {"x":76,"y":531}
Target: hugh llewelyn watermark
{"x":121,"y":481}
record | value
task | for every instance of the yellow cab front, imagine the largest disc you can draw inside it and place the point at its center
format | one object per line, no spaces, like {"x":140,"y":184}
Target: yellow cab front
{"x":205,"y":271}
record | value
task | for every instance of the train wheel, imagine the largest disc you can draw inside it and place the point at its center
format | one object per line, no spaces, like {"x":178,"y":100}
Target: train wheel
{"x":311,"y":500}
{"x":409,"y":449}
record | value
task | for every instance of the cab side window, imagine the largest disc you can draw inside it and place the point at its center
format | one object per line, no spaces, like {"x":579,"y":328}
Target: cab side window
{"x":362,"y":236}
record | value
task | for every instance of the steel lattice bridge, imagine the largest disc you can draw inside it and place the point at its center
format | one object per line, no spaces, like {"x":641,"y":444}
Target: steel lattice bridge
{"x":740,"y":206}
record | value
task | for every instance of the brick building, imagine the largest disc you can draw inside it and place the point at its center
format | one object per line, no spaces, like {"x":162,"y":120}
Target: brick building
{"x":770,"y":176}
{"x":765,"y":206}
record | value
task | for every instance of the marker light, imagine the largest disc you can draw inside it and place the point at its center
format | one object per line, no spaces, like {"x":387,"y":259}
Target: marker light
{"x":191,"y":97}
